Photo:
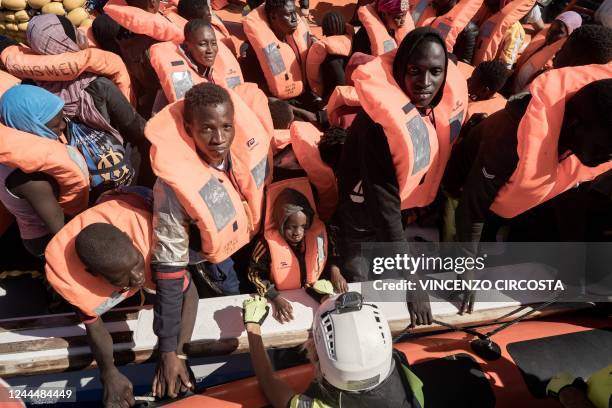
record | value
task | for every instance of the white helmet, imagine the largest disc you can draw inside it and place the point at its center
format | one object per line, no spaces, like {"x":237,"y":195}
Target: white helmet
{"x":353,"y":343}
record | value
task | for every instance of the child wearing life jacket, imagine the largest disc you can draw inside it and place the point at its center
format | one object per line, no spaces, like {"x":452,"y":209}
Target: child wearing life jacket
{"x":294,"y":249}
{"x":486,"y":81}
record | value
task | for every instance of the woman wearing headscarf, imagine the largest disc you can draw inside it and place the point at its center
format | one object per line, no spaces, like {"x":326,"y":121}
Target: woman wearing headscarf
{"x":92,"y":100}
{"x":32,"y":196}
{"x":538,"y":56}
{"x":414,"y":102}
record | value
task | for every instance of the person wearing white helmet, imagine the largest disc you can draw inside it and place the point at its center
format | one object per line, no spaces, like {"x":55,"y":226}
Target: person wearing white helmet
{"x":352,"y":351}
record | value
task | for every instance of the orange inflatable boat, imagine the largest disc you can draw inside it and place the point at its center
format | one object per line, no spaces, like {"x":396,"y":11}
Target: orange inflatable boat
{"x":453,"y":373}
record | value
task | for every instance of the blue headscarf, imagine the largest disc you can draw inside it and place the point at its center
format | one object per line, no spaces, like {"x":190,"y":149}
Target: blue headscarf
{"x":28,"y":108}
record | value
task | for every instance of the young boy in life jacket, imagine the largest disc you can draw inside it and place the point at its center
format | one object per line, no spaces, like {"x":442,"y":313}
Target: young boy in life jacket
{"x":352,"y":352}
{"x":295,"y":243}
{"x":496,"y":178}
{"x":101,"y":259}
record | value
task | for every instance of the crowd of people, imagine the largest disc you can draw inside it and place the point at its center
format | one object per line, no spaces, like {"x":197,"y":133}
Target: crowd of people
{"x":153,"y":155}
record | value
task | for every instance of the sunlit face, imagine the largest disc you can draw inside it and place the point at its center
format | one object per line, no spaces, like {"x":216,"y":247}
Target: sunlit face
{"x":212,"y":129}
{"x":202,"y":46}
{"x":425,"y":73}
{"x":284,"y":20}
{"x":295,"y":228}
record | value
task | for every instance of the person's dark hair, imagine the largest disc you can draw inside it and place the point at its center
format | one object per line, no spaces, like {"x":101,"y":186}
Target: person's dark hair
{"x":203,"y":95}
{"x":141,"y":4}
{"x":592,"y":44}
{"x":6,"y":42}
{"x":599,"y":96}
{"x":331,"y":145}
{"x":281,"y":113}
{"x":193,"y":25}
{"x":493,"y":74}
{"x":69,"y":29}
{"x":409,"y":44}
{"x":102,"y":247}
{"x":273,"y":5}
{"x":333,"y":24}
{"x":192,"y":9}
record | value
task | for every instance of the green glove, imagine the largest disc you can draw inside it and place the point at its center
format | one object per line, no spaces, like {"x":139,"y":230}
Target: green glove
{"x":558,"y":382}
{"x":255,"y":310}
{"x":323,"y":287}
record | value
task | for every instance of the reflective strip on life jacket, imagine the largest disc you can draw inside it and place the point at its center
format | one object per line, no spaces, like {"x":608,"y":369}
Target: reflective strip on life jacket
{"x":24,"y":63}
{"x":333,"y":45}
{"x":177,"y":76}
{"x":94,"y":295}
{"x":154,"y":25}
{"x":226,"y":208}
{"x":305,"y":138}
{"x":422,"y":12}
{"x":380,"y":40}
{"x":451,"y":24}
{"x":284,"y":266}
{"x":493,"y":30}
{"x":540,"y":175}
{"x":64,"y":163}
{"x":285,"y":71}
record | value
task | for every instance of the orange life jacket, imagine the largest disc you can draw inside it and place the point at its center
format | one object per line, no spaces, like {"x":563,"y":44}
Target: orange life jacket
{"x":540,"y":175}
{"x":451,"y":24}
{"x":493,"y":30}
{"x":380,"y":40}
{"x":342,"y":97}
{"x":94,"y":295}
{"x":177,"y":75}
{"x":280,"y":139}
{"x":422,"y":12}
{"x":539,"y":60}
{"x":24,"y":63}
{"x":7,"y":81}
{"x":419,"y":150}
{"x":64,"y":163}
{"x":285,"y":267}
{"x":157,"y":26}
{"x":227,"y":209}
{"x":283,"y":68}
{"x":9,"y":400}
{"x":490,"y":106}
{"x":465,"y":69}
{"x":257,"y":100}
{"x":305,"y":138}
{"x":536,"y":43}
{"x":333,"y":45}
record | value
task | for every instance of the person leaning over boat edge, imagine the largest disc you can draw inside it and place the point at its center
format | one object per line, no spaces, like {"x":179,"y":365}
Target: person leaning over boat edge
{"x":352,"y":351}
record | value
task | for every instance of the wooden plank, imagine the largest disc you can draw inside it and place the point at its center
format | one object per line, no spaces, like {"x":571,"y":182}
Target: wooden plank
{"x":219,"y":331}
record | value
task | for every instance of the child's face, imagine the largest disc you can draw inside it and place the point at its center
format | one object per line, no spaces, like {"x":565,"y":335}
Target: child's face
{"x":295,"y":227}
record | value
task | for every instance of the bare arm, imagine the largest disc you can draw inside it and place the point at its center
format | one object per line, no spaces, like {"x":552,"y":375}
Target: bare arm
{"x":276,"y":390}
{"x":117,"y":388}
{"x":38,"y":190}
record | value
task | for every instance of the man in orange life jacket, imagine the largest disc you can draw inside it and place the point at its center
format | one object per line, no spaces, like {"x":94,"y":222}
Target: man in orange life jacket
{"x":466,"y":40}
{"x":107,"y":248}
{"x":282,"y":19}
{"x":588,"y":44}
{"x":208,"y":119}
{"x":489,"y":159}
